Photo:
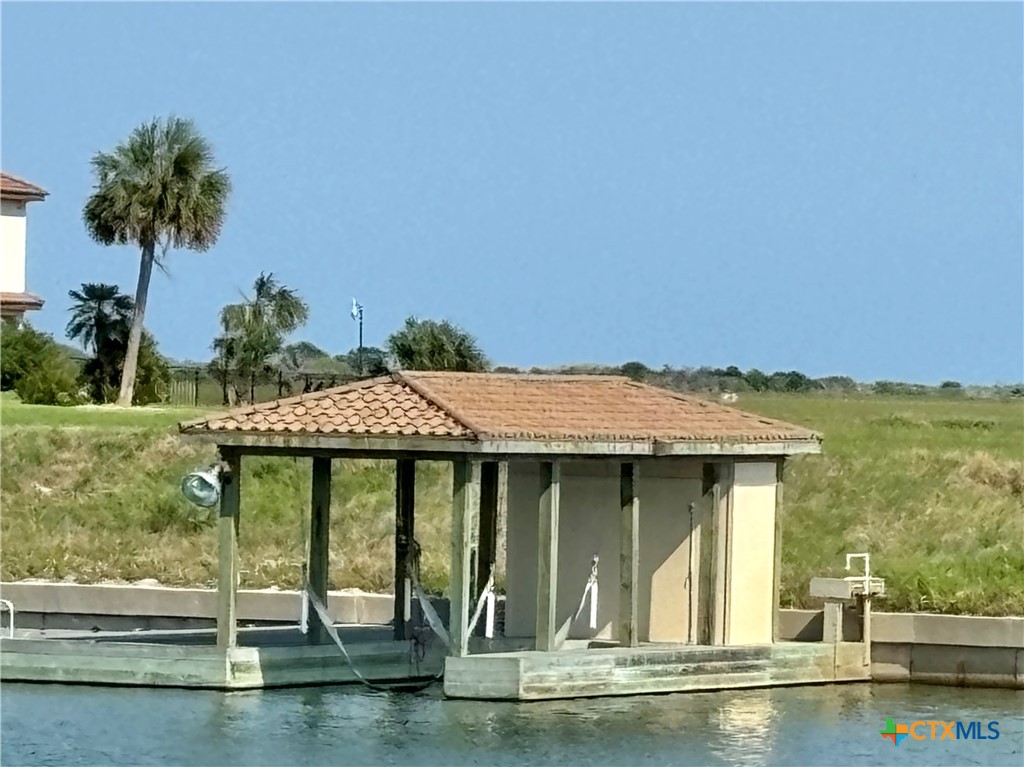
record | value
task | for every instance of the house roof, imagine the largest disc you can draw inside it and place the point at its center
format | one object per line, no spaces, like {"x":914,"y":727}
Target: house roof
{"x":17,"y":303}
{"x":488,"y":412}
{"x":14,"y":188}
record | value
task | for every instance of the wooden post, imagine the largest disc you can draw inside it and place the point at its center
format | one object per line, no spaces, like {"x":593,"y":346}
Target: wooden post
{"x":319,"y":543}
{"x":776,"y":620}
{"x":405,"y":502}
{"x":465,"y":506}
{"x":501,"y":533}
{"x":547,"y":555}
{"x":629,"y":555}
{"x":487,"y":546}
{"x":227,"y":550}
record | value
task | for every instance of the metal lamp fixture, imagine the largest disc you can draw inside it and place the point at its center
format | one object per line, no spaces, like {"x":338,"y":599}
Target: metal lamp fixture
{"x":203,"y":487}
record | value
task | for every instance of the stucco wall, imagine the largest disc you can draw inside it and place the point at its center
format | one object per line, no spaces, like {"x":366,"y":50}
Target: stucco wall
{"x":752,"y":554}
{"x":12,"y":246}
{"x":589,"y":522}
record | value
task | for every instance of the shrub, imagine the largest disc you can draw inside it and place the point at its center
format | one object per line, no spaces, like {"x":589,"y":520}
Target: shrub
{"x":34,"y":366}
{"x":51,"y":382}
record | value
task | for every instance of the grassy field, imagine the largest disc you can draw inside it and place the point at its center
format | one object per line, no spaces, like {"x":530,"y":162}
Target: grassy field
{"x":932,"y":488}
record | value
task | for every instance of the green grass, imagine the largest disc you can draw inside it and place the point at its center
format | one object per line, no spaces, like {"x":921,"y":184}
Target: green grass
{"x":932,"y":488}
{"x":15,"y":413}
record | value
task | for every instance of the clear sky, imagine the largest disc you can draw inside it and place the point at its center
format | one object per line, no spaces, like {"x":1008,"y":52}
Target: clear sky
{"x":831,"y":188}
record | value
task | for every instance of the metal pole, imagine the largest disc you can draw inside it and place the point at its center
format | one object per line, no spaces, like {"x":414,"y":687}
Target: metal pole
{"x":360,"y":341}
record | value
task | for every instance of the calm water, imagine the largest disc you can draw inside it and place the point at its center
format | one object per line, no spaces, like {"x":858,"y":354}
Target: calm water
{"x":839,"y":725}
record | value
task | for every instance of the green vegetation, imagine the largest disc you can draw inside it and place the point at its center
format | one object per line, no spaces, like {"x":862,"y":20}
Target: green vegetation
{"x":157,"y":189}
{"x":931,"y":487}
{"x":36,"y":367}
{"x":101,"y":320}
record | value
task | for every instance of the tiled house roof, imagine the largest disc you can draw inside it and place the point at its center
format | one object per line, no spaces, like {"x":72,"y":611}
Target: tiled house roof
{"x":14,"y":188}
{"x":487,"y":406}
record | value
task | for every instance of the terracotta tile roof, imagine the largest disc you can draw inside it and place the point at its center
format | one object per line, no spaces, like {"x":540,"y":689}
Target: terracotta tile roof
{"x":481,"y":406}
{"x":19,"y":302}
{"x":607,"y":408}
{"x":19,"y":189}
{"x":379,"y":406}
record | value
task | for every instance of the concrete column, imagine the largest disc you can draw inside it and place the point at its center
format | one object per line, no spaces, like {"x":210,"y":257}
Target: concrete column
{"x":319,"y":543}
{"x":547,"y":555}
{"x":227,"y":550}
{"x":465,"y":509}
{"x":405,"y":502}
{"x":629,"y":555}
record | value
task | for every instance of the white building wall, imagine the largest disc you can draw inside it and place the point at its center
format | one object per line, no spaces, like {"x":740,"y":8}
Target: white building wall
{"x":12,"y":246}
{"x":590,"y":523}
{"x":751,"y":589}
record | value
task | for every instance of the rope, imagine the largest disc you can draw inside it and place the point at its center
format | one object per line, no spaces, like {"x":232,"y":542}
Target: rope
{"x":327,"y":622}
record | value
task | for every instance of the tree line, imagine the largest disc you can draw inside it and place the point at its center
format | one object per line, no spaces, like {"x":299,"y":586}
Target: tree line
{"x":161,"y":189}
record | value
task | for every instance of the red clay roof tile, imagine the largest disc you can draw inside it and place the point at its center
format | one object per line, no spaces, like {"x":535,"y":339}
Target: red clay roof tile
{"x":497,"y":406}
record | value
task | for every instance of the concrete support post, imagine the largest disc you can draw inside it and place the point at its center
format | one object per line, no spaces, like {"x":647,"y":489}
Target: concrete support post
{"x":776,"y":621}
{"x":629,"y":555}
{"x":227,"y":550}
{"x":547,"y":555}
{"x":405,"y":503}
{"x":465,"y":509}
{"x":832,"y":628}
{"x":319,"y":543}
{"x":722,"y":524}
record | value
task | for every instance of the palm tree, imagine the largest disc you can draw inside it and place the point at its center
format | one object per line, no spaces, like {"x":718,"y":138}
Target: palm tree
{"x":157,"y":189}
{"x":433,"y":345}
{"x":255,"y":329}
{"x":100,"y":312}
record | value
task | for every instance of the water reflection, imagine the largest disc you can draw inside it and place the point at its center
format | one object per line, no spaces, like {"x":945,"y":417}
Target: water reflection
{"x":746,"y":727}
{"x":80,"y":725}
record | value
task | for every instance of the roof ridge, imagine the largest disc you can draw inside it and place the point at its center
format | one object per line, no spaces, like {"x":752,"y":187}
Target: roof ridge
{"x":271,"y":404}
{"x":564,"y":377}
{"x":695,"y":399}
{"x":408,"y":378}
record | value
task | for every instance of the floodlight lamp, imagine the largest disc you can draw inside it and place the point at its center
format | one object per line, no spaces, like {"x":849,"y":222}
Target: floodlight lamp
{"x":202,"y":487}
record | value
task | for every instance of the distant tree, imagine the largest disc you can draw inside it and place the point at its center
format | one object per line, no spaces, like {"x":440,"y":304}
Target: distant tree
{"x":733,"y":372}
{"x":374,"y":361}
{"x":836,"y":383}
{"x":791,"y":381}
{"x":950,"y":385}
{"x":436,"y":345}
{"x":638,"y":371}
{"x":506,"y":369}
{"x":156,"y":190}
{"x":99,"y":312}
{"x":254,"y":331}
{"x":298,"y":355}
{"x":757,"y":380}
{"x":101,"y":320}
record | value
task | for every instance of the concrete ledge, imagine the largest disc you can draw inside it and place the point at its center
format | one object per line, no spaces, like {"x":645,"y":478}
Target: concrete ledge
{"x":962,"y":650}
{"x":118,"y":607}
{"x":910,"y":628}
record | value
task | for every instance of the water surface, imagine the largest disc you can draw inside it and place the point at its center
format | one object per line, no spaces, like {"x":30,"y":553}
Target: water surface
{"x":837,"y":725}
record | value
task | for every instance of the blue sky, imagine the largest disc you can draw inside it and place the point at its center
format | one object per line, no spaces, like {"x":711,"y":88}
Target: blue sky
{"x":831,"y":188}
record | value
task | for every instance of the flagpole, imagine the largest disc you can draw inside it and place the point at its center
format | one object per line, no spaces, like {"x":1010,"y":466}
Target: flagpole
{"x":357,"y":314}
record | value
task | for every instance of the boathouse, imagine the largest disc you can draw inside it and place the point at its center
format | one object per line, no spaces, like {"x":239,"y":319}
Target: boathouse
{"x":607,"y":537}
{"x":660,"y":509}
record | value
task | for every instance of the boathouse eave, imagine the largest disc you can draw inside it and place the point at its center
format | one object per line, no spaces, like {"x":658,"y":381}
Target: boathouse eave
{"x":290,"y":443}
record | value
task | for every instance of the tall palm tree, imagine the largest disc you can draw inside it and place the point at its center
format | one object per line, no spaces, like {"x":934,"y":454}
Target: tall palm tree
{"x":255,"y":329}
{"x":158,"y":189}
{"x":99,"y":313}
